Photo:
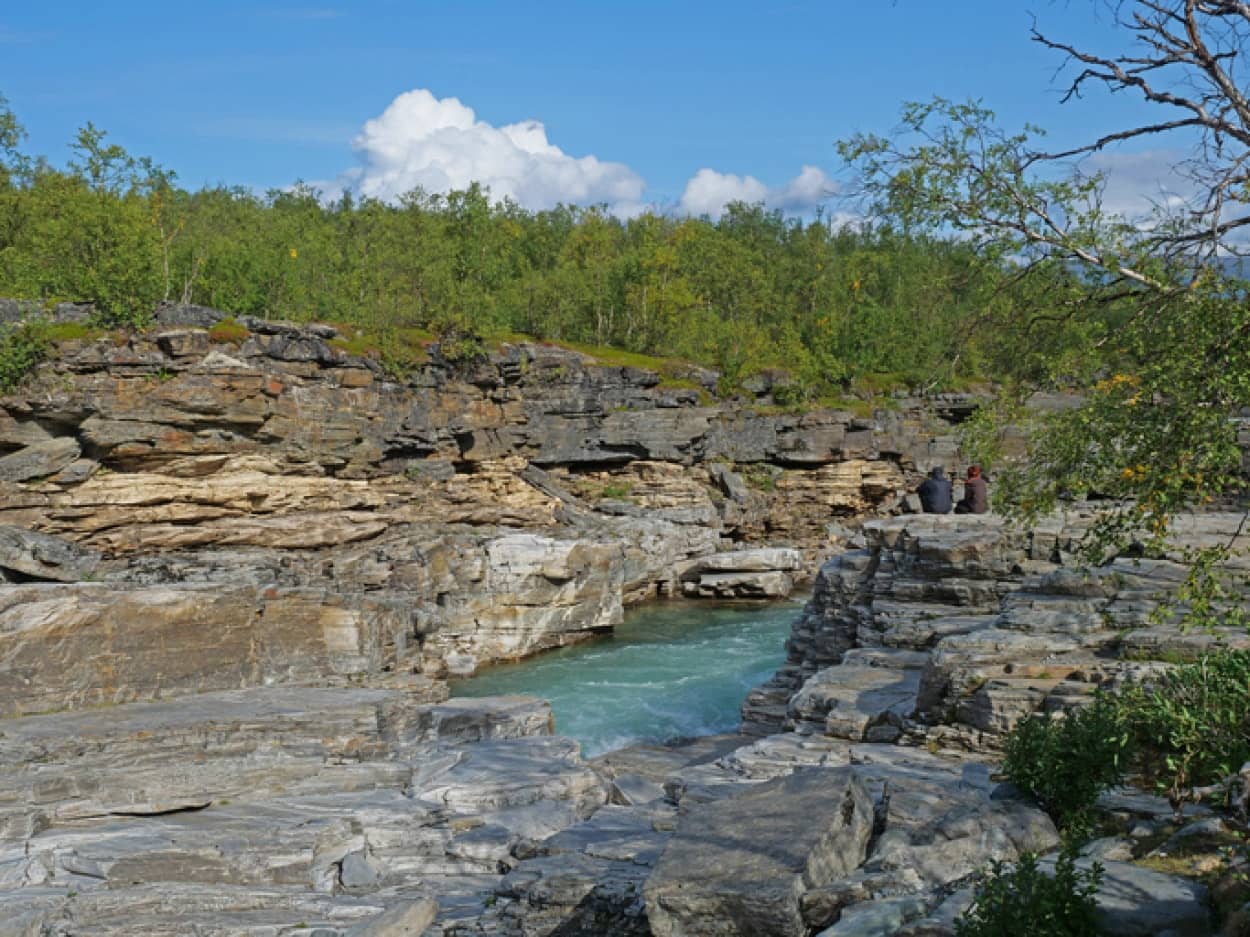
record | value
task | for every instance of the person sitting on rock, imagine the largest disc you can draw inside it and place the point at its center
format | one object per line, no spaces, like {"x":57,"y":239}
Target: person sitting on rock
{"x":976,"y":499}
{"x":935,"y":492}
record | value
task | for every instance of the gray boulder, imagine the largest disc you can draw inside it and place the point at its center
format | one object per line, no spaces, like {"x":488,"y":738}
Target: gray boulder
{"x":39,"y":459}
{"x":742,"y":864}
{"x":1137,"y":902}
{"x":187,"y":314}
{"x":44,"y":557}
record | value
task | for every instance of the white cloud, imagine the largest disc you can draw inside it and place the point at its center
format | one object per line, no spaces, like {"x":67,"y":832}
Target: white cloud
{"x":440,"y":145}
{"x":709,"y":191}
{"x":1137,"y":183}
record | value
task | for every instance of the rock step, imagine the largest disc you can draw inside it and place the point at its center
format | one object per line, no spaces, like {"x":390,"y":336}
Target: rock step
{"x":175,"y":910}
{"x":858,"y":702}
{"x":741,"y":865}
{"x":184,"y":754}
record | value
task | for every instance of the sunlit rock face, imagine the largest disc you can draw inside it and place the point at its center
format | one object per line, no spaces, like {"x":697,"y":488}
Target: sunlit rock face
{"x":956,"y":627}
{"x":236,"y":575}
{"x":272,"y":509}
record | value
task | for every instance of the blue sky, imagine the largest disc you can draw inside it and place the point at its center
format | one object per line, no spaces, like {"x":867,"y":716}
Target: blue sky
{"x":262,"y":94}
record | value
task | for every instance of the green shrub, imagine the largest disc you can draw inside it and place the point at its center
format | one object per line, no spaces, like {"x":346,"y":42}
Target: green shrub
{"x":1192,"y":726}
{"x":22,"y":346}
{"x":229,"y":331}
{"x":1022,"y":901}
{"x":459,"y":346}
{"x":1064,"y":764}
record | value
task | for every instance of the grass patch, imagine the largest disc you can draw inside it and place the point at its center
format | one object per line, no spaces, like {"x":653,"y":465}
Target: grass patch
{"x":856,"y":406}
{"x":760,"y":478}
{"x":400,"y":350}
{"x":878,"y":383}
{"x":229,"y":331}
{"x":56,"y":332}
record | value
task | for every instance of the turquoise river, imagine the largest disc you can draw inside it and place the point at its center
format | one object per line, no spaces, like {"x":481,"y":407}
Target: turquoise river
{"x":672,"y":670}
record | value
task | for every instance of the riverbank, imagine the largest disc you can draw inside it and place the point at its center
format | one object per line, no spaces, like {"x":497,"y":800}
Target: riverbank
{"x":373,"y":527}
{"x":365,"y":811}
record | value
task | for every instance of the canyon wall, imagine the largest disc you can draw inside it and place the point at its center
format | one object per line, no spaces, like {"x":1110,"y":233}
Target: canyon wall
{"x":280,"y":510}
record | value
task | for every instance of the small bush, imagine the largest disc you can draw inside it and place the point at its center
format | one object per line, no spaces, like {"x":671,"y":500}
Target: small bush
{"x":22,"y":347}
{"x":616,"y":490}
{"x":229,"y":331}
{"x":458,"y":346}
{"x":1022,"y":901}
{"x":1064,"y":764}
{"x":1192,"y":727}
{"x":759,"y":478}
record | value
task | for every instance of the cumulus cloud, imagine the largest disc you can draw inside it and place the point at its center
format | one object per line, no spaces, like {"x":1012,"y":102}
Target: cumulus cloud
{"x":709,"y":191}
{"x":439,"y":145}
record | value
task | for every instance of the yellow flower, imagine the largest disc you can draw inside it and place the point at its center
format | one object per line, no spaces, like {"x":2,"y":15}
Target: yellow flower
{"x":294,"y":253}
{"x":1116,"y":381}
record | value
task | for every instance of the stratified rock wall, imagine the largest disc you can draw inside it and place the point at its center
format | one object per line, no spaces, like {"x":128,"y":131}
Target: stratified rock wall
{"x":957,"y":626}
{"x":277,"y":511}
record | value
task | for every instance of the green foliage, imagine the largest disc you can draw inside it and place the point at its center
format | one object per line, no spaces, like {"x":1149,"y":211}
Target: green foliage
{"x":229,"y":331}
{"x":1022,"y":901}
{"x":1065,"y":763}
{"x":401,"y":351}
{"x":1192,"y":725}
{"x":750,"y":291}
{"x":1139,"y":318}
{"x":982,"y":436}
{"x":1188,"y":728}
{"x":22,"y":346}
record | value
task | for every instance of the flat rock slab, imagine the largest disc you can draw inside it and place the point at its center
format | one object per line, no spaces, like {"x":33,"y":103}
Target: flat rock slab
{"x":739,"y":866}
{"x":44,"y":557}
{"x":503,"y":773}
{"x":39,"y":459}
{"x":1137,"y":902}
{"x":858,"y":702}
{"x":744,"y":585}
{"x":761,"y":560}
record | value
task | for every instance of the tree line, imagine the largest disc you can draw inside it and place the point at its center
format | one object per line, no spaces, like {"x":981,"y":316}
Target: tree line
{"x":753,"y":289}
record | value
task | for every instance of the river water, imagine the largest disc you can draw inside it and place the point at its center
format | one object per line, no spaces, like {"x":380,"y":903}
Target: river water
{"x":674,"y":669}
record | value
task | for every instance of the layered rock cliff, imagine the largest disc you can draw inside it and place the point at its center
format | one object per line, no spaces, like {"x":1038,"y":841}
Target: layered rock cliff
{"x":276,"y":509}
{"x":953,"y":628}
{"x":264,"y":556}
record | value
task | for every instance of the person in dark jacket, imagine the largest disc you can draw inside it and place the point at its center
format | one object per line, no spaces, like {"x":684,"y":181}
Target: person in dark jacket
{"x":935,"y":492}
{"x":976,"y":499}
